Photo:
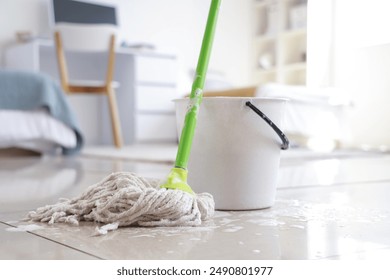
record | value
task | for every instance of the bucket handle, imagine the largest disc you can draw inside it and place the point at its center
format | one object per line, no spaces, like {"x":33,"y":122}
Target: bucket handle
{"x":282,"y":136}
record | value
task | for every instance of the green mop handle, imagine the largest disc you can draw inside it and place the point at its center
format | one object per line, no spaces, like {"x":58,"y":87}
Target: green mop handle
{"x":187,"y":134}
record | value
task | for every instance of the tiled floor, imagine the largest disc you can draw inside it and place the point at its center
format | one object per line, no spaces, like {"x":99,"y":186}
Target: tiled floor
{"x":327,"y":207}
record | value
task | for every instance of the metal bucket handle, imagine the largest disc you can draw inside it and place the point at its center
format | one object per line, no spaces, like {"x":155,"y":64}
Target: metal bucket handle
{"x":283,"y":137}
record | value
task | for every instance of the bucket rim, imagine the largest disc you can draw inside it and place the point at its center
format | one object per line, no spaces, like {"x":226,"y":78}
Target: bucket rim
{"x":236,"y":98}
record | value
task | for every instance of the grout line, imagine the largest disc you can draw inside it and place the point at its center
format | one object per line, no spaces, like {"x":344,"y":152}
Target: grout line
{"x":307,"y":157}
{"x":353,"y":253}
{"x":124,"y":158}
{"x":334,"y":185}
{"x":171,"y":161}
{"x":70,"y":247}
{"x":104,"y":174}
{"x":57,"y":242}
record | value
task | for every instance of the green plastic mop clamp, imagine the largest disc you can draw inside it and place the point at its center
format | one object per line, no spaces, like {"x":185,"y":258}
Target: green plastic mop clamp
{"x":177,"y":178}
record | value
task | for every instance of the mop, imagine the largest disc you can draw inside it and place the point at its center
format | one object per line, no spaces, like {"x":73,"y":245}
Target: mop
{"x":126,"y":199}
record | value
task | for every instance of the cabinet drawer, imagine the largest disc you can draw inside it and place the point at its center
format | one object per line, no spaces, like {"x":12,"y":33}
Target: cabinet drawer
{"x":155,"y":99}
{"x":154,"y":127}
{"x":155,"y":70}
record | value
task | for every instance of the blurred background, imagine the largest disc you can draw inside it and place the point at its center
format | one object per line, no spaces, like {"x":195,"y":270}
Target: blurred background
{"x":329,"y":58}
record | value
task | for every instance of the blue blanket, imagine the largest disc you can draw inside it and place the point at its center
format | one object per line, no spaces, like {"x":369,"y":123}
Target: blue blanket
{"x":29,"y":91}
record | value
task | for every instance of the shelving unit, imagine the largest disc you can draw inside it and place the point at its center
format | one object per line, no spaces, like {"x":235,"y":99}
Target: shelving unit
{"x":280,"y":41}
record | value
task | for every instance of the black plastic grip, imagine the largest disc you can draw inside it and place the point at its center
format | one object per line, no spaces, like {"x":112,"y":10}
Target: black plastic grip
{"x":283,"y":137}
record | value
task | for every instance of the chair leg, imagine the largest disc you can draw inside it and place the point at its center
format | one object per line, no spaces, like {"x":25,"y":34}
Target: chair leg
{"x":115,"y":121}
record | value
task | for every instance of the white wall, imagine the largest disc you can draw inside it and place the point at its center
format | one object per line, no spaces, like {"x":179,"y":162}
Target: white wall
{"x":21,"y":15}
{"x":362,"y":66}
{"x":173,"y":25}
{"x":320,"y":43}
{"x":178,"y":25}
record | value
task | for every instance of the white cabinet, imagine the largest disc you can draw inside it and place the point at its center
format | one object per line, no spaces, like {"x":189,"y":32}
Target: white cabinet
{"x":155,"y":80}
{"x":155,"y":127}
{"x":155,"y":99}
{"x":280,"y":41}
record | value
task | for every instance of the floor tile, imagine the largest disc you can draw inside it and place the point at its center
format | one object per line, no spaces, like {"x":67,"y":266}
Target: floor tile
{"x":303,"y":224}
{"x":330,"y":171}
{"x":26,"y":185}
{"x":146,"y":152}
{"x":326,"y":208}
{"x":27,"y":190}
{"x":381,"y":255}
{"x":26,"y":246}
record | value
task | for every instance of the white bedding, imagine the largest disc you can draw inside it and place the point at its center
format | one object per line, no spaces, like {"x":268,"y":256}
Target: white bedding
{"x":34,"y":130}
{"x":311,"y":112}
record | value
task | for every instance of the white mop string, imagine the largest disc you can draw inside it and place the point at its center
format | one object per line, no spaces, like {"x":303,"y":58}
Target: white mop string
{"x":126,"y":199}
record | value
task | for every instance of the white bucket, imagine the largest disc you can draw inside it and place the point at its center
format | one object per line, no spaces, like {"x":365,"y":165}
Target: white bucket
{"x":235,"y":154}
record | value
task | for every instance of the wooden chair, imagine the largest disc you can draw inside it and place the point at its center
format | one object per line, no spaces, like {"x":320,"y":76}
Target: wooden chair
{"x":90,"y":38}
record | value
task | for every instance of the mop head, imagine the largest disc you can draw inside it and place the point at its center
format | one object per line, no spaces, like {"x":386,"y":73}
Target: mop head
{"x":125,"y":199}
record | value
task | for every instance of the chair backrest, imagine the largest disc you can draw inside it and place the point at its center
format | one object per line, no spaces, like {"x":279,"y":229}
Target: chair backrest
{"x":84,"y":38}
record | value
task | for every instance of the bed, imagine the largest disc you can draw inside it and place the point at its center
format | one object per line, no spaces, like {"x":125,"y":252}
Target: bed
{"x":35,"y":115}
